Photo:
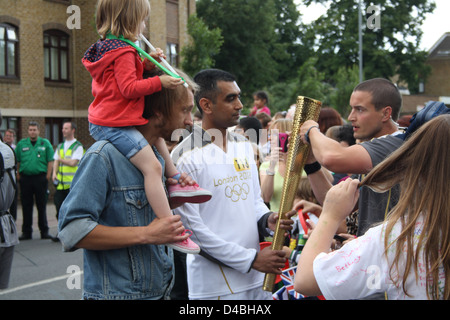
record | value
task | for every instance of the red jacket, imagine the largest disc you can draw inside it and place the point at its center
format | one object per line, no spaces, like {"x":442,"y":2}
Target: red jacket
{"x":117,"y":84}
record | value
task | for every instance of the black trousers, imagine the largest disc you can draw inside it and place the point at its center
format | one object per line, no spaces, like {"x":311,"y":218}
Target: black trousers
{"x":180,"y":288}
{"x":59,"y":197}
{"x":34,"y":187}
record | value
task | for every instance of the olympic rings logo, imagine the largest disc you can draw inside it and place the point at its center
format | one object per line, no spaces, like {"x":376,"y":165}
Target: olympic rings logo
{"x":237,"y":192}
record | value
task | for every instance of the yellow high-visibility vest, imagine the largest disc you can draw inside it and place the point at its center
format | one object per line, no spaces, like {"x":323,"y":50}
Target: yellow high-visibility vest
{"x":66,"y":173}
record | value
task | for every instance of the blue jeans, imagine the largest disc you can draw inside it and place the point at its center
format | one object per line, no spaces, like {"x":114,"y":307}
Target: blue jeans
{"x":128,"y":140}
{"x":109,"y":190}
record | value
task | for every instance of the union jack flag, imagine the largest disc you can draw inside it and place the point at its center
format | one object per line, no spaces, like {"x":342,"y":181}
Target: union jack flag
{"x":287,"y":276}
{"x":281,"y":294}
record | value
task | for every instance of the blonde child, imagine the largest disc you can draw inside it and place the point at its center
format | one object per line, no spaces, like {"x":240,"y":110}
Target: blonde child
{"x":408,"y":255}
{"x":119,"y":89}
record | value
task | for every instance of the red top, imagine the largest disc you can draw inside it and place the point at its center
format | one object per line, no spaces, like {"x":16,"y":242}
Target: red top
{"x":118,"y":85}
{"x":255,"y":110}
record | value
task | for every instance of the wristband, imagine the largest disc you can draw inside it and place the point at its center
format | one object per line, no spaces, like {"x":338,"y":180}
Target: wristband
{"x":312,"y":168}
{"x":307,"y":134}
{"x":291,"y":256}
{"x":294,"y":256}
{"x":270,"y":173}
{"x":303,"y":217}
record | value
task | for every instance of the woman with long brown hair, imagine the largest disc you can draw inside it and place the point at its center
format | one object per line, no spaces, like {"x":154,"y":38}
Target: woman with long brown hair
{"x":407,"y":256}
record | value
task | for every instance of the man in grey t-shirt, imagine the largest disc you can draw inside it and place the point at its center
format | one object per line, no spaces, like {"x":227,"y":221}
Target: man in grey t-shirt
{"x":375,"y":206}
{"x":376,"y":105}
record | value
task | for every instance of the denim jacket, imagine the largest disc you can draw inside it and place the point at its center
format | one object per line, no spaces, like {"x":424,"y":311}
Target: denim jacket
{"x":108,"y":190}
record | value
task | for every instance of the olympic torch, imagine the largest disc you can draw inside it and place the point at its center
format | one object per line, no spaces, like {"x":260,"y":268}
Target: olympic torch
{"x":306,"y":109}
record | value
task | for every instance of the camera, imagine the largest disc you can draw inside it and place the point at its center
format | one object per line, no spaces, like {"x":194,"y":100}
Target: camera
{"x":283,"y":141}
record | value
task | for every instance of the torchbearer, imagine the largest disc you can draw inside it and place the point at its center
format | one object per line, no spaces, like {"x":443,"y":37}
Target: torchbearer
{"x":307,"y":109}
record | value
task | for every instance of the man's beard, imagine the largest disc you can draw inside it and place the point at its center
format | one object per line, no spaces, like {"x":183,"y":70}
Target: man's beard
{"x":165,"y":130}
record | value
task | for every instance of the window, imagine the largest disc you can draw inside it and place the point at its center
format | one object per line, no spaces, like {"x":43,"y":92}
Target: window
{"x":10,"y":123}
{"x":172,"y":54}
{"x":173,"y":31}
{"x":53,"y":130}
{"x":56,"y":56}
{"x":9,"y":47}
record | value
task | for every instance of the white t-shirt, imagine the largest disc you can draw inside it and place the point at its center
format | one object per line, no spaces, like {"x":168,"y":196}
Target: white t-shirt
{"x":225,"y":227}
{"x":77,"y":154}
{"x":360,"y":269}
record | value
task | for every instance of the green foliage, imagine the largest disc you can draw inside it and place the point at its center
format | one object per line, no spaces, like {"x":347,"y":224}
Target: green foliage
{"x":393,"y":49}
{"x":281,"y":95}
{"x":308,"y":82}
{"x":289,"y":53}
{"x":248,"y":29}
{"x":266,"y":46}
{"x":346,"y":80}
{"x":204,"y":47}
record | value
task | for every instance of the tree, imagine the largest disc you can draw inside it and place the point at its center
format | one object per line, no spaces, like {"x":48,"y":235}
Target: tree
{"x":308,"y":82}
{"x":248,"y":29}
{"x":205,"y":45}
{"x":346,"y":79}
{"x":289,"y":53}
{"x":393,"y":49}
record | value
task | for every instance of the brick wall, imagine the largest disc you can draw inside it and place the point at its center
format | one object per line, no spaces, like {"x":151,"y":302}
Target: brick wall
{"x":413,"y":103}
{"x":31,"y":98}
{"x":438,"y":82}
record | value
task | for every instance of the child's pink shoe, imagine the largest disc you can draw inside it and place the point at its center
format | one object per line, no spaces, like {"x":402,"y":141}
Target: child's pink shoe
{"x":186,"y":246}
{"x":192,"y":194}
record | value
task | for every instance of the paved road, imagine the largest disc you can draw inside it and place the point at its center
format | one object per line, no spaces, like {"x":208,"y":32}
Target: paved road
{"x":41,"y":270}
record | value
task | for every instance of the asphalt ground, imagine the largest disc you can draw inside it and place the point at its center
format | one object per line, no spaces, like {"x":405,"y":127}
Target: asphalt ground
{"x":40,"y":268}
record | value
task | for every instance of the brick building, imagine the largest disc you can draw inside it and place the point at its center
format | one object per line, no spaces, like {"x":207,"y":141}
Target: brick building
{"x":41,"y":46}
{"x":437,"y":86}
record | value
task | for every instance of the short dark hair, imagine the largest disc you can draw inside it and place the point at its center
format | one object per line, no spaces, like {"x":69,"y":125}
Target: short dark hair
{"x":33,"y":124}
{"x":251,"y":123}
{"x":72,"y":124}
{"x":262,"y":95}
{"x":207,"y":82}
{"x":384,"y":93}
{"x":345,"y":133}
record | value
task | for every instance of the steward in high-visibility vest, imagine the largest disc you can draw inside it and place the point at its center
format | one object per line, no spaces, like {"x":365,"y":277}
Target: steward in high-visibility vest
{"x":66,"y":173}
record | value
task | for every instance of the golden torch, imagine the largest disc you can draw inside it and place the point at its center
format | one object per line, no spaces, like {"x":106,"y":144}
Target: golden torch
{"x":306,"y":109}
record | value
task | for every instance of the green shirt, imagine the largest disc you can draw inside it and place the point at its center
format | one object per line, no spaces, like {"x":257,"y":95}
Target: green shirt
{"x":34,"y":159}
{"x":278,"y":182}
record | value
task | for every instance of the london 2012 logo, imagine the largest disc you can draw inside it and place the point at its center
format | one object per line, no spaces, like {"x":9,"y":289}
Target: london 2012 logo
{"x":237,"y":192}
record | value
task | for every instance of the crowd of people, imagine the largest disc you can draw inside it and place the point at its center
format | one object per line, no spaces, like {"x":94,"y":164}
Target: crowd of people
{"x":190,"y":223}
{"x":34,"y":165}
